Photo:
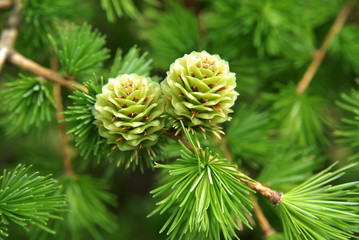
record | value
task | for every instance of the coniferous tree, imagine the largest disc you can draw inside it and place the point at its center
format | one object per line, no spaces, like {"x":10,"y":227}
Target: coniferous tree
{"x":233,"y":119}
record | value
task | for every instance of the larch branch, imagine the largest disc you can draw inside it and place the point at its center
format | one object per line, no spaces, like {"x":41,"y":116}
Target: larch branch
{"x":320,"y":53}
{"x":262,"y":220}
{"x":65,"y":150}
{"x":10,"y":31}
{"x":172,"y":134}
{"x":7,"y":52}
{"x":62,"y":131}
{"x":24,"y":63}
{"x":273,"y":196}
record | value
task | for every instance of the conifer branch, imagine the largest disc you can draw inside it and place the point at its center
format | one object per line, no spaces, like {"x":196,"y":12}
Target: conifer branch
{"x":7,"y":42}
{"x":24,"y":63}
{"x":29,"y":199}
{"x":172,"y":134}
{"x":273,"y":196}
{"x":320,"y":53}
{"x":9,"y":33}
{"x":262,"y":220}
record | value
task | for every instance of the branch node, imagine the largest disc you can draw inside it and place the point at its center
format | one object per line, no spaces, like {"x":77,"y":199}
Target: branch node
{"x":24,"y":63}
{"x":273,"y":196}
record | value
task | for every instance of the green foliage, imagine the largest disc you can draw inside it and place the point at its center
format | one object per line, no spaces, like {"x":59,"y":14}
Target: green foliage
{"x":27,"y":103}
{"x":39,"y":17}
{"x":80,"y":121}
{"x":88,"y":214}
{"x":348,"y":132}
{"x":203,"y":195}
{"x":315,"y":210}
{"x":299,"y":116}
{"x":276,"y":236}
{"x":79,"y":49}
{"x":172,"y":34}
{"x":316,"y":12}
{"x":142,"y":158}
{"x":346,"y":49}
{"x":268,"y":24}
{"x":287,"y":166}
{"x":132,"y":62}
{"x":3,"y":232}
{"x":254,"y":73}
{"x":247,"y":134}
{"x":28,"y":199}
{"x":117,"y":8}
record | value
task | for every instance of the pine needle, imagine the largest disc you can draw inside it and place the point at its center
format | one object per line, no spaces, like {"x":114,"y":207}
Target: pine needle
{"x":315,"y":210}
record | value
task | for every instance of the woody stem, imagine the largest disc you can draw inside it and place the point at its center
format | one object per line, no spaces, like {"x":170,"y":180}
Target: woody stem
{"x":320,"y":53}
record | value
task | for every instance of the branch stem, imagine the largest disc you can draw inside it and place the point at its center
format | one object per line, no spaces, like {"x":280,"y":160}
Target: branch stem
{"x":10,"y":31}
{"x":320,"y":53}
{"x":262,"y":220}
{"x":65,"y":150}
{"x":273,"y":196}
{"x":62,"y":132}
{"x":24,"y":63}
{"x":172,"y":134}
{"x":7,"y":51}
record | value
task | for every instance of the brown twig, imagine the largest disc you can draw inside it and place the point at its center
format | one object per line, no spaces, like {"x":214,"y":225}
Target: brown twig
{"x":273,"y":196}
{"x":5,"y":4}
{"x":64,"y":146}
{"x":59,"y":117}
{"x":22,"y":62}
{"x":320,"y":53}
{"x":172,"y":134}
{"x":262,"y":220}
{"x":7,"y":42}
{"x":9,"y":33}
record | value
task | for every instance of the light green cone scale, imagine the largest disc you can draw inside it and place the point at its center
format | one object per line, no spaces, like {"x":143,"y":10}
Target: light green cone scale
{"x":129,"y":112}
{"x":199,"y":89}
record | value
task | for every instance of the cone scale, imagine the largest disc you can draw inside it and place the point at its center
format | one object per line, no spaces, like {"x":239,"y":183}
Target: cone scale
{"x":129,"y":112}
{"x":199,"y":89}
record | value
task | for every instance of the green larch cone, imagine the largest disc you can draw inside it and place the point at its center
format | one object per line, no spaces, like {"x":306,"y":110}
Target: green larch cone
{"x":200,"y":90}
{"x":129,"y":112}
